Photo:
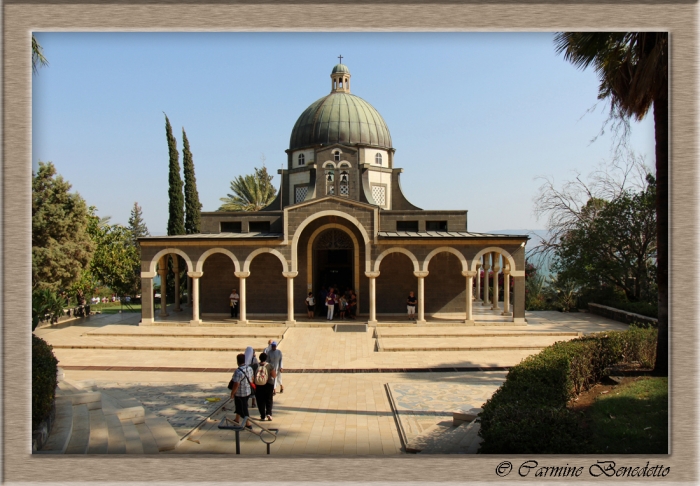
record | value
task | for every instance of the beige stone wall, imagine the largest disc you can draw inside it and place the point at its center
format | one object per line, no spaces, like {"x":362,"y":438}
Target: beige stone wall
{"x":216,"y":284}
{"x":266,"y":287}
{"x":394,"y":283}
{"x":445,"y":286}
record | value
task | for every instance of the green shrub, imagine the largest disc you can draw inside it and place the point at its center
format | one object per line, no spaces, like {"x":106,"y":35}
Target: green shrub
{"x":528,"y":413}
{"x":44,"y":370}
{"x":516,"y":428}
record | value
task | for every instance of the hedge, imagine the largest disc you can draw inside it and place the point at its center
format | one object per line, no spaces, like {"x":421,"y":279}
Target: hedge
{"x":44,"y":371}
{"x":528,"y":414}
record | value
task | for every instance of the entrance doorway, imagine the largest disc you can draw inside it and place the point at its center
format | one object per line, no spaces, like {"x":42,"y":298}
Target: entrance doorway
{"x":333,"y":262}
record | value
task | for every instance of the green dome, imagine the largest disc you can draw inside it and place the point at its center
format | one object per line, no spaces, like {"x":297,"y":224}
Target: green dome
{"x":340,"y":68}
{"x":340,"y":118}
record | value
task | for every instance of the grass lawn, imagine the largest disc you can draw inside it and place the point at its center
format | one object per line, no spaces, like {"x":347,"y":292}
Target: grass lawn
{"x":114,"y":308}
{"x":631,"y":419}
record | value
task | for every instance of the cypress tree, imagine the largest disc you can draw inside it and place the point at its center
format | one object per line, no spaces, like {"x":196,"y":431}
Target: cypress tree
{"x":176,"y":216}
{"x":192,"y":205}
{"x":137,"y":226}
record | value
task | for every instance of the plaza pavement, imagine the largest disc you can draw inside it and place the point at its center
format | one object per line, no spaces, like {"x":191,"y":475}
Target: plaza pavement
{"x":345,"y":392}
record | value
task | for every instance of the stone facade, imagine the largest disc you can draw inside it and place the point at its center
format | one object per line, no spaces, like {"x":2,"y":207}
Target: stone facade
{"x":275,"y":256}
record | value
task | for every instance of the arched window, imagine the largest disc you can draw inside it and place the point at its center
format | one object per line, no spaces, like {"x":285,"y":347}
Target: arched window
{"x":301,"y":159}
{"x":344,"y":189}
{"x":378,"y":159}
{"x":336,"y":155}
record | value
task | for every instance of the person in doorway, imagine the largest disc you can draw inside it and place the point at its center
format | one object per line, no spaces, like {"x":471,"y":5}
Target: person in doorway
{"x":411,"y":302}
{"x":342,"y":305}
{"x":322,"y":299}
{"x":234,"y":298}
{"x":274,"y":357}
{"x":264,"y":387}
{"x":352,"y":305}
{"x":310,"y":304}
{"x":242,"y":390}
{"x":330,"y":304}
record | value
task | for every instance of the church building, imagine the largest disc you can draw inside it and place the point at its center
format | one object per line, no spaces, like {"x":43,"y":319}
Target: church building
{"x":340,"y":218}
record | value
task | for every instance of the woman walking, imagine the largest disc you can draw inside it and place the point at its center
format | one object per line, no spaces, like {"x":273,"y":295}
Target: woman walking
{"x":265,"y":385}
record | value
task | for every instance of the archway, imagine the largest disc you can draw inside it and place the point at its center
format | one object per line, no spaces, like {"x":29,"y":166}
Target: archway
{"x":334,"y":256}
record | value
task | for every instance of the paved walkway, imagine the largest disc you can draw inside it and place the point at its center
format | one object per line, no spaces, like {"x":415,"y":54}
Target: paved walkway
{"x":341,"y":394}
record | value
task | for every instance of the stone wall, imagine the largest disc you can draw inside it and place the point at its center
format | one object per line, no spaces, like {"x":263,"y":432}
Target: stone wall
{"x":266,"y":288}
{"x":216,"y":284}
{"x":445,"y":286}
{"x":621,"y":315}
{"x":395,"y":281}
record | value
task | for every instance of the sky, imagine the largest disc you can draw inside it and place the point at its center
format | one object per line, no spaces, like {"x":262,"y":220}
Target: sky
{"x":475,"y":118}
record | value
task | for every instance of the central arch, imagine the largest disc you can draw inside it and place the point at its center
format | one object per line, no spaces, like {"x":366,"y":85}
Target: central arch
{"x":321,"y":214}
{"x":355,"y":259}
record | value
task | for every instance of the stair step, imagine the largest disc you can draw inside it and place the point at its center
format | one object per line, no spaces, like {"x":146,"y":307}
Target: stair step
{"x":62,"y":428}
{"x":92,"y":399}
{"x":454,"y":440}
{"x":133,"y":440}
{"x":124,"y":409}
{"x":116,"y":440}
{"x":80,"y":436}
{"x":99,"y":435}
{"x":164,"y":434}
{"x":65,"y":388}
{"x":149,"y":444}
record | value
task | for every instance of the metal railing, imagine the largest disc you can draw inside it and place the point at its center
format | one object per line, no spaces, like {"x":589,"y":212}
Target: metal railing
{"x":228,"y":424}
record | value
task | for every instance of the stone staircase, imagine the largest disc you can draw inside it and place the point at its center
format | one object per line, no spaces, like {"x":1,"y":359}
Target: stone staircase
{"x":461,"y":436}
{"x":105,"y":422}
{"x":446,"y":438}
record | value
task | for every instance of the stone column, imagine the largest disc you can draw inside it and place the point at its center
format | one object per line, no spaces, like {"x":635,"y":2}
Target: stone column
{"x":421,"y":295}
{"x":496,"y":268}
{"x":486,"y":280}
{"x":506,"y":292}
{"x":242,"y":276}
{"x":163,"y":272}
{"x":372,"y":297}
{"x":195,"y":296}
{"x":519,"y":298}
{"x":290,"y":296}
{"x":470,"y":281}
{"x":189,"y":291}
{"x":147,"y":298}
{"x":478,"y":281}
{"x":176,"y":270}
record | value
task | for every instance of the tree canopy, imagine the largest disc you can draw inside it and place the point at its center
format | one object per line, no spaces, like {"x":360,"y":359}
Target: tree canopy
{"x":61,"y":245}
{"x":250,"y":193}
{"x":616,"y":247}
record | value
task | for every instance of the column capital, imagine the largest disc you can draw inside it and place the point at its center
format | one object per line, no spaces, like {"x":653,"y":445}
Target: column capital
{"x":486,"y":266}
{"x":506,"y":271}
{"x":479,"y":264}
{"x":289,"y":274}
{"x":469,"y":273}
{"x":371,"y":274}
{"x":242,"y":274}
{"x":148,"y":274}
{"x":195,"y":274}
{"x":421,"y":274}
{"x":496,"y":269}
